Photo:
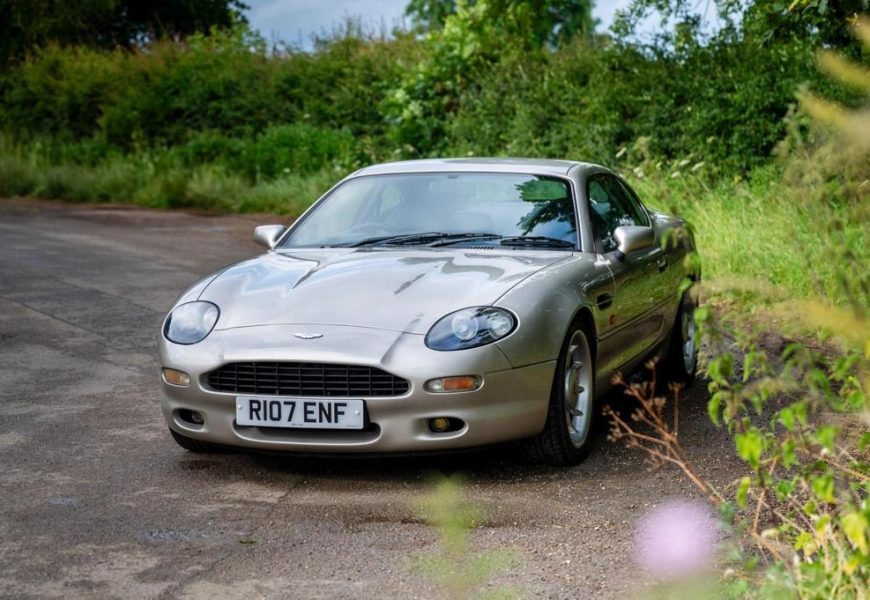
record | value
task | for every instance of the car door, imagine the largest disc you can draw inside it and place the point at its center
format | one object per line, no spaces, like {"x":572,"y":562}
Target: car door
{"x":635,"y":321}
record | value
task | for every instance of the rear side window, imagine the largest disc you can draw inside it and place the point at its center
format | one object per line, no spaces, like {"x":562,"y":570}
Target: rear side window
{"x":611,"y":206}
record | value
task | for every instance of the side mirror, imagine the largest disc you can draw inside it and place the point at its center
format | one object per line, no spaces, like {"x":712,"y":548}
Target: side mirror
{"x":267,"y":235}
{"x":631,"y":237}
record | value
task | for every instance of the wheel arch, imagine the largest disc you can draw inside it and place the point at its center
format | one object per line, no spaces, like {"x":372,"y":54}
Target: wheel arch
{"x":553,"y":445}
{"x":584,"y":317}
{"x":548,"y":304}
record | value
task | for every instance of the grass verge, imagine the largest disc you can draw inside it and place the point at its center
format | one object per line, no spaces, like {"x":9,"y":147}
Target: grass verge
{"x":754,"y":232}
{"x":155,"y":179}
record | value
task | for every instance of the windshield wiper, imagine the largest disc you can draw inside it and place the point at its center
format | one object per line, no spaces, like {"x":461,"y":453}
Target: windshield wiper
{"x":390,"y":239}
{"x":539,"y":241}
{"x":417,"y":238}
{"x":455,"y":238}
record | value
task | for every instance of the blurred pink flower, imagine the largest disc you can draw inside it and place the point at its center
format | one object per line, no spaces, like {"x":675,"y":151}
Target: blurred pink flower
{"x":677,"y":538}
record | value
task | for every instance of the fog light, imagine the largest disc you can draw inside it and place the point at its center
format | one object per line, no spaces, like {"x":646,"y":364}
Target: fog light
{"x":445,"y":424}
{"x":173,"y":377}
{"x":191,"y":416}
{"x":465,"y":383}
{"x":439,"y":424}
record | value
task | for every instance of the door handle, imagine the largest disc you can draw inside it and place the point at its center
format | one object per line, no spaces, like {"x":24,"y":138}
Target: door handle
{"x":604,"y":301}
{"x":662,"y":264}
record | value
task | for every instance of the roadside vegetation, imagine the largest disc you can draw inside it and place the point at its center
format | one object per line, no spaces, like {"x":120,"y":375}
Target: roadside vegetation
{"x":789,"y":370}
{"x":756,"y":131}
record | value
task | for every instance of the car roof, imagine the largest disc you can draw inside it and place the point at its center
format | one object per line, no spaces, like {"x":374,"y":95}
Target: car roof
{"x":492,"y":165}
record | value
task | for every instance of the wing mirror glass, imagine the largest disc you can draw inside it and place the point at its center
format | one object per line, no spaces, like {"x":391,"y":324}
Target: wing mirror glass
{"x":267,"y":235}
{"x":630,"y":238}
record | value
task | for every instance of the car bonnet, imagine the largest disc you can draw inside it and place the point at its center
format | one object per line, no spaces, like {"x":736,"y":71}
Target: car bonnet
{"x":399,"y":289}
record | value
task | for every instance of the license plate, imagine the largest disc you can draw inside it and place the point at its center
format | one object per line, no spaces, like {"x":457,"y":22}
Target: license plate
{"x":300,"y":412}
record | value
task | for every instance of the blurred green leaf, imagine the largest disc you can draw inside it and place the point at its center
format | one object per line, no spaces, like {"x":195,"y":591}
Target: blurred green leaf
{"x":750,"y":445}
{"x":742,"y":491}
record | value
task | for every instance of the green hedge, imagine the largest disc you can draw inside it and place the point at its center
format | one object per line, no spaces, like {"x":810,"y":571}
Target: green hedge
{"x":164,"y":123}
{"x":226,"y":83}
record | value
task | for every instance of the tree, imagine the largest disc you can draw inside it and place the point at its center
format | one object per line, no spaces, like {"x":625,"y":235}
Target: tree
{"x":431,"y":14}
{"x":822,"y":23}
{"x":26,"y":25}
{"x":472,"y":39}
{"x":826,"y":23}
{"x":552,"y":21}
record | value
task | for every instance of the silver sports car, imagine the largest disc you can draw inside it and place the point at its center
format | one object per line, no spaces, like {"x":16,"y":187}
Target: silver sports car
{"x":433,"y":305}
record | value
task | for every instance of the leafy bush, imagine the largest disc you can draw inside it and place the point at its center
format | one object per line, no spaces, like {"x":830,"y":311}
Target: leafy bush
{"x":299,"y":148}
{"x":225,"y":82}
{"x":723,"y":103}
{"x":797,"y":410}
{"x":481,"y":85}
{"x":278,"y":151}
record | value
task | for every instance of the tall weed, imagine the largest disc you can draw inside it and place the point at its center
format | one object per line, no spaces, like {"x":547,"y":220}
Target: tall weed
{"x":458,"y":571}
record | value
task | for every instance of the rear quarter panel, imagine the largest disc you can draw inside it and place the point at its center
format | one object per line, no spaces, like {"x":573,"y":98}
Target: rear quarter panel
{"x":678,"y":243}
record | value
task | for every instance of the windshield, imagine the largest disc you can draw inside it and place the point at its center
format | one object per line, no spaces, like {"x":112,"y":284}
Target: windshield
{"x":441,"y":209}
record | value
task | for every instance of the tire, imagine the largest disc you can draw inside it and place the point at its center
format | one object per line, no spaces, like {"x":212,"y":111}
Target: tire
{"x":566,"y":435}
{"x":681,"y":360}
{"x":191,"y":444}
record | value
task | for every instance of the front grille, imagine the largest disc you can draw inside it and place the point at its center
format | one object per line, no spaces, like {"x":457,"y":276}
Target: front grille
{"x":305,"y":379}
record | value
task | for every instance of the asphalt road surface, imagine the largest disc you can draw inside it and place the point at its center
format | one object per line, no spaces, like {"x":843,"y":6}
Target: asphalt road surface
{"x":96,"y":500}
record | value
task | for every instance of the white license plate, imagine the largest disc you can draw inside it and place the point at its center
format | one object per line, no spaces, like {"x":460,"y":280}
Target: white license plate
{"x":300,"y":412}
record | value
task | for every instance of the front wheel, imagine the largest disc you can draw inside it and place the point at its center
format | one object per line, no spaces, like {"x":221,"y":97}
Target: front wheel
{"x":565,"y":438}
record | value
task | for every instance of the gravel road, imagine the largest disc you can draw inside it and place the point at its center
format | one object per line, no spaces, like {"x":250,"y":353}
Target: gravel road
{"x":96,"y":500}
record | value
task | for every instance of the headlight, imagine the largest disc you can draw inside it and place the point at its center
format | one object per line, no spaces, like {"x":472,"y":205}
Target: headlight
{"x":191,"y":323}
{"x":470,"y":327}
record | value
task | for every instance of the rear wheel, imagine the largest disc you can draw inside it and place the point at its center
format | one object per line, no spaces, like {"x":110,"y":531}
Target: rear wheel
{"x":191,"y":444}
{"x":565,"y":438}
{"x":681,"y":361}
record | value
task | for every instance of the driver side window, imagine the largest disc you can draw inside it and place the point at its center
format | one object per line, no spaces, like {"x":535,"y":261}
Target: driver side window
{"x":610,"y":207}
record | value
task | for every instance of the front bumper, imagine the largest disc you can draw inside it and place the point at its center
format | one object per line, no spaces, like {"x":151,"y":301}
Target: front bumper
{"x":511,"y":404}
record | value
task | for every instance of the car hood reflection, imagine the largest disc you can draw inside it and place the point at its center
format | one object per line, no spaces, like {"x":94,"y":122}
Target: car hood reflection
{"x":404,"y":290}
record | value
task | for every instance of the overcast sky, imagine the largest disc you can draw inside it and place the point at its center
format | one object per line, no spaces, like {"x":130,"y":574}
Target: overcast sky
{"x":295,"y":21}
